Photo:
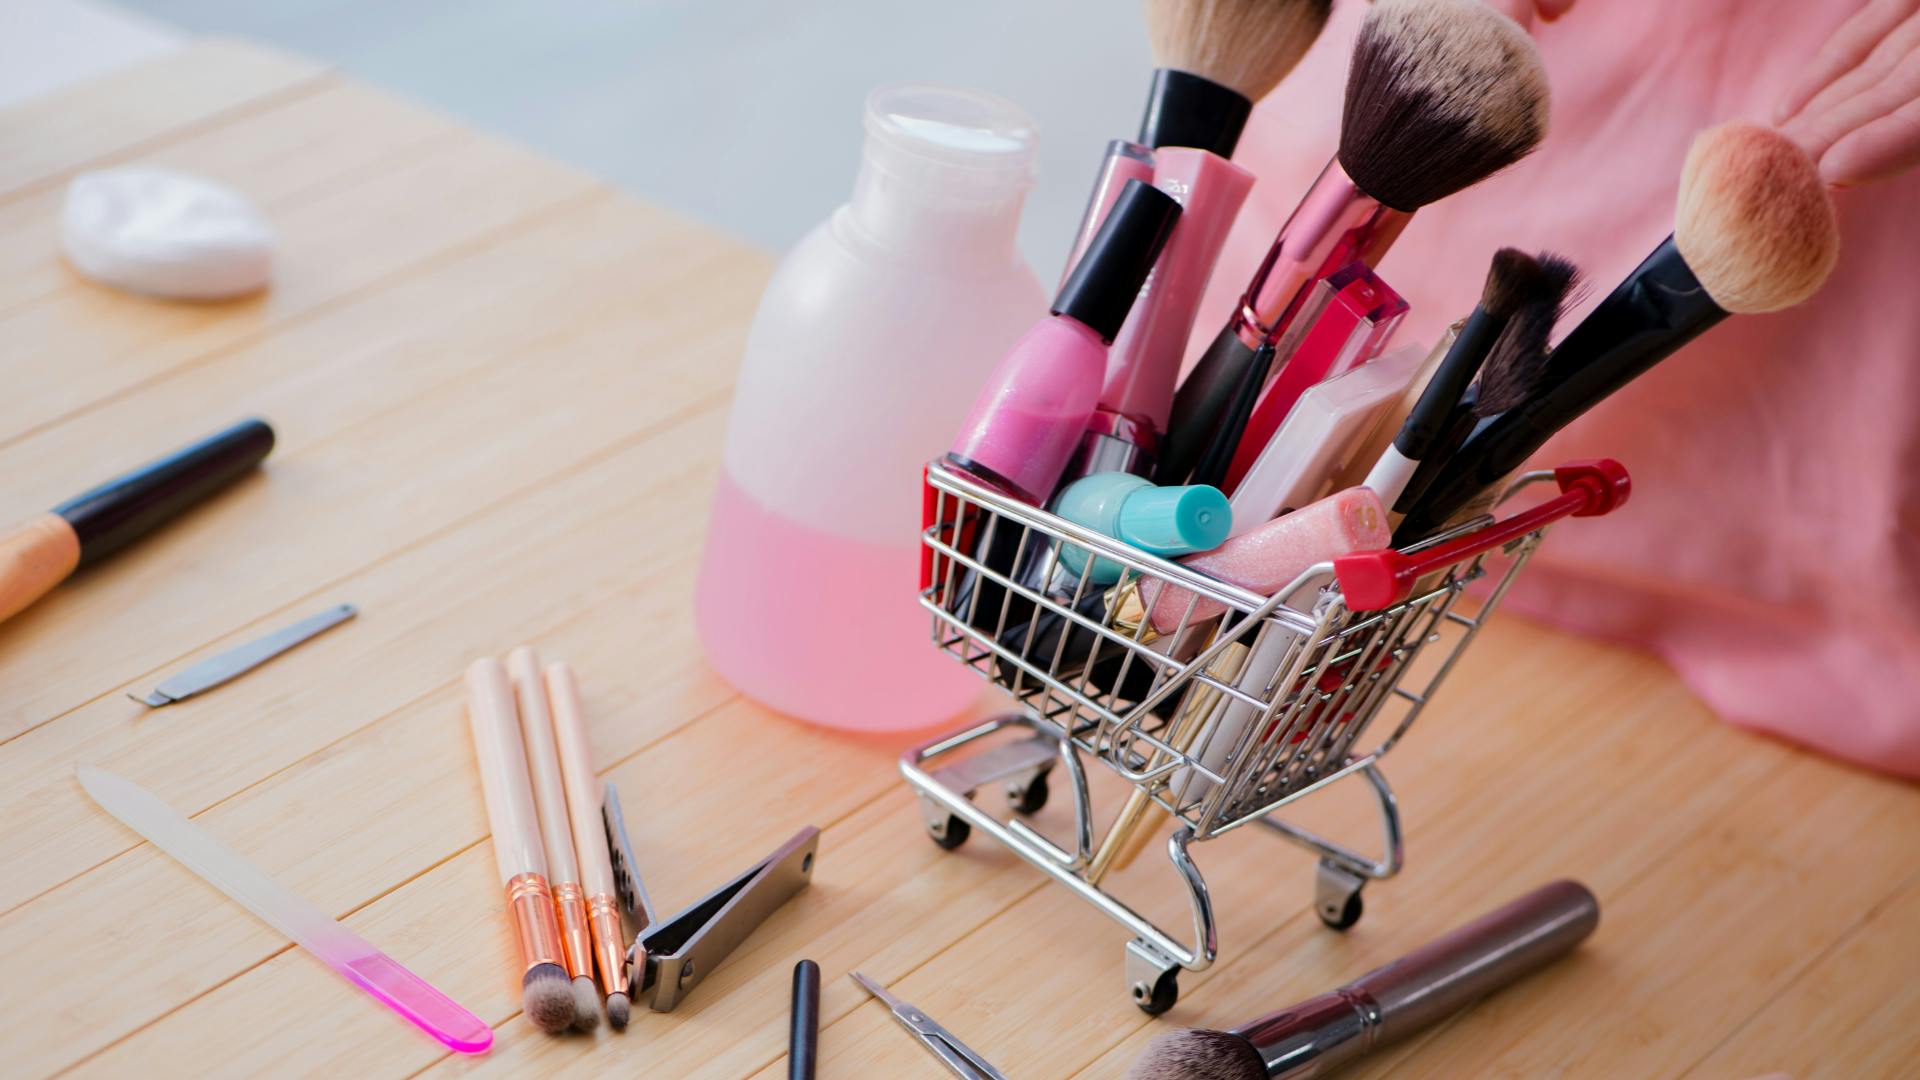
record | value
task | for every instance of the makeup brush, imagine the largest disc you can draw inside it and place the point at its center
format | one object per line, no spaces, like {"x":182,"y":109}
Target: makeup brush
{"x":1754,"y":232}
{"x":1441,"y":94}
{"x":1514,"y":368}
{"x":1509,"y":282}
{"x":43,"y":551}
{"x":556,"y":833}
{"x":590,"y":841}
{"x":1216,"y":58}
{"x":546,"y":992}
{"x":1319,"y":1035}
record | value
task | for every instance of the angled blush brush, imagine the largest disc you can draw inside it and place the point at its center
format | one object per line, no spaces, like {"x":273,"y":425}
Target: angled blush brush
{"x":1441,"y":94}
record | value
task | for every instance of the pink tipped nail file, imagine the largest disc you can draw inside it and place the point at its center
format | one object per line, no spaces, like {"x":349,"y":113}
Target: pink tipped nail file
{"x":346,"y":952}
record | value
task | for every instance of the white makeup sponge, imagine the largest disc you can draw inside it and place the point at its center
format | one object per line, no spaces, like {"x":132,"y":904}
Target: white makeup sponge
{"x":166,"y":234}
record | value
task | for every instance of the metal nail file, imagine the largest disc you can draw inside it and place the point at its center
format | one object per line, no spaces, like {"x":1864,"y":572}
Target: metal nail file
{"x":953,"y":1053}
{"x":668,"y":959}
{"x":241,"y":659}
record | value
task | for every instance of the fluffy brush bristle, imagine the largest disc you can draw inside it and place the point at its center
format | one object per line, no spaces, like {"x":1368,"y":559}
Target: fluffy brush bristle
{"x":1754,"y":222}
{"x":547,"y":996}
{"x":1518,"y":361}
{"x":1199,"y":1054}
{"x":1441,"y":95}
{"x":586,"y":1004}
{"x":619,"y":1010}
{"x":1512,"y":280}
{"x":1245,"y":45}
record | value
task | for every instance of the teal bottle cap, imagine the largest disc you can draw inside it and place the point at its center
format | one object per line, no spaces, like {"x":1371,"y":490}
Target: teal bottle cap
{"x":1175,"y":520}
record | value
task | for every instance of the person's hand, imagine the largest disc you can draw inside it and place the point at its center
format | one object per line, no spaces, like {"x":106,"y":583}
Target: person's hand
{"x":1857,"y":106}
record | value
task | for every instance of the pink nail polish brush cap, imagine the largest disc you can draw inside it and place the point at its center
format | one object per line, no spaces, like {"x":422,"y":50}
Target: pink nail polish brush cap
{"x":1029,"y":417}
{"x":1268,"y":558}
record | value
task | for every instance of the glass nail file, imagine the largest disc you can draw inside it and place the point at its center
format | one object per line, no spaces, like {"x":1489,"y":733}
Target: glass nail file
{"x":241,"y":659}
{"x":347,"y":953}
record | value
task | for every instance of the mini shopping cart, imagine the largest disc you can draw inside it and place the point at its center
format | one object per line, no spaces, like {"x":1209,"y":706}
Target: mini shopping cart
{"x":1305,"y":676}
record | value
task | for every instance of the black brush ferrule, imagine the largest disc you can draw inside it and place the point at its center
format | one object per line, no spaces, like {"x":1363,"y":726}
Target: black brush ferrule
{"x":1184,"y":109}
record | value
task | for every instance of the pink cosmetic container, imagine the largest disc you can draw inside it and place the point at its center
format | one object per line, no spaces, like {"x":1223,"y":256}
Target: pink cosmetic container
{"x":1125,"y":161}
{"x":1266,"y":559}
{"x":1028,"y":419}
{"x":1145,"y":361}
{"x":1346,"y":320}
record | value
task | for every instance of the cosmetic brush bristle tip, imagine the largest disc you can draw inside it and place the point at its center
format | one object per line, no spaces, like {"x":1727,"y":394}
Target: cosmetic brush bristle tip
{"x":619,"y":1010}
{"x":1754,"y":221}
{"x":1198,"y":1054}
{"x":1441,"y":94}
{"x":547,"y":996}
{"x":1517,"y":363}
{"x":586,"y":1004}
{"x":1247,"y":46}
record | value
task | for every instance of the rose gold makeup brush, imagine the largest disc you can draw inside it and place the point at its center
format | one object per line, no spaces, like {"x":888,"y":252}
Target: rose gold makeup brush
{"x":1441,"y":94}
{"x":556,"y":834}
{"x":589,"y":841}
{"x":1216,"y":58}
{"x":546,"y":992}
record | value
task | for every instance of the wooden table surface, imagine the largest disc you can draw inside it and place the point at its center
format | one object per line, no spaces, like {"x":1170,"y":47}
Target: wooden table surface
{"x":500,"y":389}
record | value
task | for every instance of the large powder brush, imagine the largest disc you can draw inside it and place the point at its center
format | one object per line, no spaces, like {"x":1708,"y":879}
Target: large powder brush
{"x":1441,"y":94}
{"x":1216,"y":58}
{"x":1754,"y":232}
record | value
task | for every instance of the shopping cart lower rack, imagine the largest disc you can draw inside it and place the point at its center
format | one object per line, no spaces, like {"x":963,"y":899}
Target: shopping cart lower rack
{"x":1217,"y":705}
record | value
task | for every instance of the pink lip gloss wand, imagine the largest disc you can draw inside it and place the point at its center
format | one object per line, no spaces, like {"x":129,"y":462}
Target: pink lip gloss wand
{"x":1028,"y":419}
{"x":1441,"y":94}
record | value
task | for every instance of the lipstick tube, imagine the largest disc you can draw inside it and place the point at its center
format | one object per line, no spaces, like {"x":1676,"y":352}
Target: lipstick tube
{"x":1125,"y":160}
{"x":1335,"y":224}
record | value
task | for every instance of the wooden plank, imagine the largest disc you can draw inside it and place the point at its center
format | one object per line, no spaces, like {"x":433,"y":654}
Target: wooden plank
{"x":1850,"y":1014}
{"x":277,"y":157}
{"x":622,"y":331}
{"x":44,"y":141}
{"x":1492,"y":809}
{"x":81,"y":346}
{"x":1713,"y":930}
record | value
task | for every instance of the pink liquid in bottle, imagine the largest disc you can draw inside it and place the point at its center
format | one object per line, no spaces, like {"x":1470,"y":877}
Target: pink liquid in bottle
{"x":852,"y":647}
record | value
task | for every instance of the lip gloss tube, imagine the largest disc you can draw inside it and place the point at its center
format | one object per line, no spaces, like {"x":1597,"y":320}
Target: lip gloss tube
{"x":1126,"y":160}
{"x":1347,"y":319}
{"x":1335,"y":224}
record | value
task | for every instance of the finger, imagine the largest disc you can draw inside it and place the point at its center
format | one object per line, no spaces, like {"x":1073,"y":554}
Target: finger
{"x":1819,"y":131}
{"x":1880,"y":62}
{"x":1879,"y":150}
{"x":1844,"y":50}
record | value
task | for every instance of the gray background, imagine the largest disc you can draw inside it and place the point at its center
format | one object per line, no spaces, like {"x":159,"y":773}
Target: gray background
{"x":742,"y":113}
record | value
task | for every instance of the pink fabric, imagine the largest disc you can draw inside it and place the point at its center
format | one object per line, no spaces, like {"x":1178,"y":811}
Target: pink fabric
{"x":1771,"y":552}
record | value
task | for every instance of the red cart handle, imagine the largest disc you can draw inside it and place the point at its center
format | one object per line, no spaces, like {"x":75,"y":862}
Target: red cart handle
{"x":1371,"y":580}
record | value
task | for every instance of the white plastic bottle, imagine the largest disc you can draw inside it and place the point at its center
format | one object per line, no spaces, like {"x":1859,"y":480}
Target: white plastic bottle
{"x":869,"y":346}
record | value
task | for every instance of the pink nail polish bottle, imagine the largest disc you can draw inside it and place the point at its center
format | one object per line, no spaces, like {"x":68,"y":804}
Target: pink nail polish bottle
{"x":1028,"y":419}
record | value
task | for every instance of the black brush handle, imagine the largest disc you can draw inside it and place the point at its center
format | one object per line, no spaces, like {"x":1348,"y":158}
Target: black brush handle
{"x":1184,"y":109}
{"x":1433,"y":413}
{"x":1212,"y":467}
{"x":1654,"y":313}
{"x":122,"y":510}
{"x":803,"y":1040}
{"x":1201,"y":404}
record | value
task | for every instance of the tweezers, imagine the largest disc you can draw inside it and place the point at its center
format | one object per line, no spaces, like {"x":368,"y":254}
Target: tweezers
{"x":938,"y":1040}
{"x":241,"y":659}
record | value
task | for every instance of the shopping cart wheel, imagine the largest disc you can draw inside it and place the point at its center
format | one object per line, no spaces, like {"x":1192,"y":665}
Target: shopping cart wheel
{"x":1336,"y":895}
{"x":1030,"y":797}
{"x":951,"y":833}
{"x":1348,"y":914}
{"x":1165,"y":991}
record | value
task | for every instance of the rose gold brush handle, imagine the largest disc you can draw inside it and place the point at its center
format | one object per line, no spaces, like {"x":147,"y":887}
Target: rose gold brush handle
{"x":589,"y":838}
{"x":550,"y":805}
{"x":516,"y":829}
{"x":35,"y":555}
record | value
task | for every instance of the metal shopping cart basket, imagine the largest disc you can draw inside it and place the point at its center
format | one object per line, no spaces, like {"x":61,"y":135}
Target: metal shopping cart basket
{"x":1217,"y":705}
